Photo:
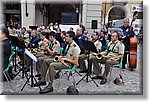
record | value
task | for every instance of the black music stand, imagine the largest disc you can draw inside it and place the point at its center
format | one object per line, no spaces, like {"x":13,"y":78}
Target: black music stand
{"x":89,"y":47}
{"x":31,"y":76}
{"x":20,"y":44}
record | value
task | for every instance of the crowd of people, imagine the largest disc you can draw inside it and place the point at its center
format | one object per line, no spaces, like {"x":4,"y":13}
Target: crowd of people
{"x":45,"y":43}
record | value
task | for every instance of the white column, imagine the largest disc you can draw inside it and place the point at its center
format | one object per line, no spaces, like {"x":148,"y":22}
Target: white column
{"x":84,"y":12}
{"x":30,"y":20}
{"x":1,"y":12}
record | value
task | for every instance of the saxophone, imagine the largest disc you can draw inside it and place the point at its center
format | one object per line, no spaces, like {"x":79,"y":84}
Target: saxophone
{"x":99,"y":56}
{"x":56,"y":60}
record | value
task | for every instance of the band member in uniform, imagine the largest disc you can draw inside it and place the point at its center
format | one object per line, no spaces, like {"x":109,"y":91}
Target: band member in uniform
{"x":98,"y":44}
{"x":43,"y":63}
{"x":71,"y":57}
{"x":126,"y":40}
{"x":41,"y":52}
{"x":112,"y":56}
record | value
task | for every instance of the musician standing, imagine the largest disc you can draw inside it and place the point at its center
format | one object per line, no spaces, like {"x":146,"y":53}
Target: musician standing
{"x":112,"y":56}
{"x":126,"y":39}
{"x":71,"y":57}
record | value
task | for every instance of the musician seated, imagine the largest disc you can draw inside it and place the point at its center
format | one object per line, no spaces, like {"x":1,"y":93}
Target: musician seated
{"x":110,"y":57}
{"x":42,"y":44}
{"x":51,"y":49}
{"x":32,"y":45}
{"x":71,"y":57}
{"x":83,"y":57}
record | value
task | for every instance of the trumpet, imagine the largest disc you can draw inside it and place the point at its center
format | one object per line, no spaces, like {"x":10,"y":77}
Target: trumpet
{"x":56,"y":59}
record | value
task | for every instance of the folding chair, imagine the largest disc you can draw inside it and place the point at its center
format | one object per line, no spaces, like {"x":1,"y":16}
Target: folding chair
{"x":73,"y":68}
{"x":70,"y":70}
{"x":119,"y":66}
{"x":5,"y":71}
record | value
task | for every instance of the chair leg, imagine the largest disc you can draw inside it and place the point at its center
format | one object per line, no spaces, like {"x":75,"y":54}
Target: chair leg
{"x":5,"y":76}
{"x":78,"y":72}
{"x":110,"y":75}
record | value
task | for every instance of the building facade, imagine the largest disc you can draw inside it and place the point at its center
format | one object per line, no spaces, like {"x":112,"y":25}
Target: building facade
{"x":35,"y":12}
{"x":89,"y":12}
{"x":120,"y":9}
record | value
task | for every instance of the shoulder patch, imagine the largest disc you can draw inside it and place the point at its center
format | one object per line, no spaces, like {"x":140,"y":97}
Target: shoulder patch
{"x":120,"y":42}
{"x":55,"y":42}
{"x":74,"y":45}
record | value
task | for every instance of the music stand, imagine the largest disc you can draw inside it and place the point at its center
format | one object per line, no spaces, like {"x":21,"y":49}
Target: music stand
{"x":89,"y":47}
{"x":31,"y":76}
{"x":20,"y":44}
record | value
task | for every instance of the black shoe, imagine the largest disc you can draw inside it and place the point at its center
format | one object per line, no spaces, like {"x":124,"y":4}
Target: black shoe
{"x":38,"y":75}
{"x":83,"y":71}
{"x":57,"y":74}
{"x":97,"y":77}
{"x":27,"y":69}
{"x":46,"y":90}
{"x":40,"y":83}
{"x":103,"y":81}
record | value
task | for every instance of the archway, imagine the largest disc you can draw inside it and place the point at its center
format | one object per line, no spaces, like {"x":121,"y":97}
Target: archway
{"x":116,"y":13}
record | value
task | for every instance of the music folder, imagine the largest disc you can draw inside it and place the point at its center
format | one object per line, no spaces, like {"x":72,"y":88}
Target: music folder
{"x":28,"y":53}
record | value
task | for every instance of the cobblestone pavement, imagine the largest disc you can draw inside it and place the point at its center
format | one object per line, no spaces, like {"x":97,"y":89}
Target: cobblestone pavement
{"x":133,"y":83}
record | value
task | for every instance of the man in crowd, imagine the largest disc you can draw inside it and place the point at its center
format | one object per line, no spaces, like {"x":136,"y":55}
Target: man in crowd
{"x":126,"y":39}
{"x":6,"y":48}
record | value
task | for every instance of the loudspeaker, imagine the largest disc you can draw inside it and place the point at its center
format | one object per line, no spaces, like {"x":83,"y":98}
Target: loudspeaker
{"x":94,"y":24}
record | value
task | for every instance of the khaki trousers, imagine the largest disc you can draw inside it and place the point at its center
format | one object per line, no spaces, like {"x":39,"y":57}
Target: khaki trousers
{"x":81,"y":62}
{"x":40,"y":62}
{"x":52,"y":70}
{"x":96,"y":67}
{"x":44,"y":67}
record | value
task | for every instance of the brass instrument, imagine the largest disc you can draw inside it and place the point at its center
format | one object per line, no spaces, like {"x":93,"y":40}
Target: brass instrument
{"x":99,"y":56}
{"x":33,"y":50}
{"x":56,"y":60}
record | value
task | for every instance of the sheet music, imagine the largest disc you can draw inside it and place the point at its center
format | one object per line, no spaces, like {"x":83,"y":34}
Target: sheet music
{"x":34,"y":58}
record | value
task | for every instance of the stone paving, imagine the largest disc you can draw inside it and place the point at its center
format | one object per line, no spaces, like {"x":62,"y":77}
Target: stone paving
{"x":133,"y":84}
